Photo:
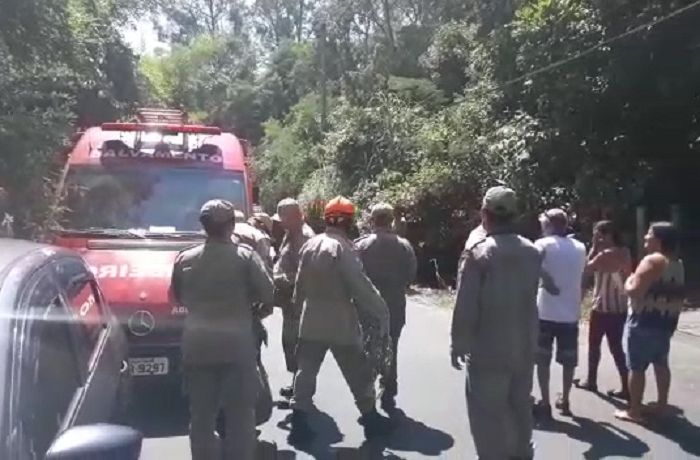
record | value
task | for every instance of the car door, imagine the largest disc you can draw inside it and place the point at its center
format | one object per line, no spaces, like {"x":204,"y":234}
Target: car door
{"x":49,"y":381}
{"x":100,"y":359}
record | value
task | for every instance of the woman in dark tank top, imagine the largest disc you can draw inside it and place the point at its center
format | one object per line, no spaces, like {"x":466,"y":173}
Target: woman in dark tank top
{"x":656,"y":295}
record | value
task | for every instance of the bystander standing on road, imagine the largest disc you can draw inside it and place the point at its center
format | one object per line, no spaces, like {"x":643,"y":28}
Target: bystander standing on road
{"x":610,"y":263}
{"x":390,"y":264}
{"x":494,"y":331}
{"x":218,"y":282}
{"x":285,"y":271}
{"x":564,"y":261}
{"x":656,"y":292}
{"x":6,"y":220}
{"x":333,"y":288}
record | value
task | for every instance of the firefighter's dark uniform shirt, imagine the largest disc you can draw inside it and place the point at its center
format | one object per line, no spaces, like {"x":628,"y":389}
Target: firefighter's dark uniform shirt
{"x":218,"y":282}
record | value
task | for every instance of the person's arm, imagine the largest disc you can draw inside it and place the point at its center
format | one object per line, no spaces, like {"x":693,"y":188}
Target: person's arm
{"x":261,"y":282}
{"x":547,"y":280}
{"x":176,"y":282}
{"x":648,"y":271}
{"x":412,"y":264}
{"x":465,"y":316}
{"x":299,"y":295}
{"x":363,"y":292}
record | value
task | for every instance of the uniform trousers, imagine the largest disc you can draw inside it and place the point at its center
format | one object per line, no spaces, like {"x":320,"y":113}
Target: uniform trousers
{"x":500,"y":412}
{"x":353,"y":364}
{"x":233,"y":388}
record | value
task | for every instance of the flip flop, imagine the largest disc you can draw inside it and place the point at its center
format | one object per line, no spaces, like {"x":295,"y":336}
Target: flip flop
{"x":626,"y":417}
{"x":619,"y":394}
{"x":585,"y":385}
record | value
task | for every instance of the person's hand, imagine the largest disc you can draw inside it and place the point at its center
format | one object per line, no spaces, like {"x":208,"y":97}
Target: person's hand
{"x":458,"y":359}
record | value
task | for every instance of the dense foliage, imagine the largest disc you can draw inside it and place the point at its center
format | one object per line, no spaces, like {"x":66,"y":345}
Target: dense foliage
{"x":424,"y":103}
{"x":64,"y":65}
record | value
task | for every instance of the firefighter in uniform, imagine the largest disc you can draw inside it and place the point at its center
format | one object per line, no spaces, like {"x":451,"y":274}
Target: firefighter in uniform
{"x":390,"y":264}
{"x":495,"y":328}
{"x":333,"y":288}
{"x":257,"y":239}
{"x":296,"y":234}
{"x":218,"y":282}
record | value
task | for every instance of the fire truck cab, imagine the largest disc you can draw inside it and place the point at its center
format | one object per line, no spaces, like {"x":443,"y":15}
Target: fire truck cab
{"x":131,"y":195}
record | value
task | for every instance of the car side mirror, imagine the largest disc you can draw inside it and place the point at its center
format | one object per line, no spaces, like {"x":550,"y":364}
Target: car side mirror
{"x":100,"y":441}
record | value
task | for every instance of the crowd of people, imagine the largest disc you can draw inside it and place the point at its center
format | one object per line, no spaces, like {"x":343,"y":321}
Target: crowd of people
{"x":515,"y":301}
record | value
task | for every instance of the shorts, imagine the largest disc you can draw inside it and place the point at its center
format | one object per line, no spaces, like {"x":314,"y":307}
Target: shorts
{"x":645,"y":346}
{"x":566,"y":336}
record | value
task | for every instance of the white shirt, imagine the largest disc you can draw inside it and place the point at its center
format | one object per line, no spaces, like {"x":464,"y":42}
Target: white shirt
{"x":564,"y":260}
{"x":475,"y":236}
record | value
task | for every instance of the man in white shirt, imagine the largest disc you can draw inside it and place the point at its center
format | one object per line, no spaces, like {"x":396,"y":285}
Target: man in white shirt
{"x":564,"y":260}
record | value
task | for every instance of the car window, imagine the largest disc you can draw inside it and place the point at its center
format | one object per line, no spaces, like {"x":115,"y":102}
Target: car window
{"x":50,"y":375}
{"x":83,"y":299}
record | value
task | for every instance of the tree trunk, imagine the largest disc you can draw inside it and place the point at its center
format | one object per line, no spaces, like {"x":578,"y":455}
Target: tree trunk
{"x":300,"y":21}
{"x":387,"y":24}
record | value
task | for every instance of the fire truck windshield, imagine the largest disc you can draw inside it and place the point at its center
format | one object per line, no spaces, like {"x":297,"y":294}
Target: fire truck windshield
{"x":140,"y":197}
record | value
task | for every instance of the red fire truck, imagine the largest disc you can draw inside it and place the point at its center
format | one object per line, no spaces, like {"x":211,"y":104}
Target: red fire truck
{"x":131,"y":194}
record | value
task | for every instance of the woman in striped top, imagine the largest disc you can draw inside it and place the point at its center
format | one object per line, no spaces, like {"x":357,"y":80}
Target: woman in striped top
{"x":610,"y":263}
{"x":656,"y":296}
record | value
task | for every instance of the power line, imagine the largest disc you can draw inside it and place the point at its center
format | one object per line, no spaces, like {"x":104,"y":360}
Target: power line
{"x":594,"y":48}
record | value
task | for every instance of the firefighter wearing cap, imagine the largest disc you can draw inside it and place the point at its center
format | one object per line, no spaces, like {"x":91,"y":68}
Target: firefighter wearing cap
{"x":494,"y":330}
{"x":390,"y":264}
{"x":258,"y":240}
{"x":284,"y":273}
{"x":218,"y":282}
{"x":333,"y":288}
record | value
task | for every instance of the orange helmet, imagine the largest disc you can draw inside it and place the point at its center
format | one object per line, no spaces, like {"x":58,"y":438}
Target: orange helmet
{"x":339,"y":207}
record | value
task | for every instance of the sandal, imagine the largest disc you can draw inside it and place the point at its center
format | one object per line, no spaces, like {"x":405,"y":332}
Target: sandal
{"x":586,"y":385}
{"x":619,"y":394}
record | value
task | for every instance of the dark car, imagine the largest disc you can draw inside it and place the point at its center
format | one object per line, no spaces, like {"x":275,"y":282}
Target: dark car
{"x":62,"y":357}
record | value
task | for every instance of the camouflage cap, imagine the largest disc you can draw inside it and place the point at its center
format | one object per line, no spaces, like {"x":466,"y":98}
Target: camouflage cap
{"x":287,"y":203}
{"x":501,"y":201}
{"x":218,"y":211}
{"x":382,"y":210}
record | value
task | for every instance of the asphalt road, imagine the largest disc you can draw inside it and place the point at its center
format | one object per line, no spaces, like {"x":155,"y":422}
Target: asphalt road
{"x":433,"y":422}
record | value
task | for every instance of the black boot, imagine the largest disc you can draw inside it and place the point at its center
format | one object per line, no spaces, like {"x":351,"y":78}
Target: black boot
{"x":287,"y":392}
{"x":375,"y":425}
{"x":300,"y":430}
{"x":388,"y":404}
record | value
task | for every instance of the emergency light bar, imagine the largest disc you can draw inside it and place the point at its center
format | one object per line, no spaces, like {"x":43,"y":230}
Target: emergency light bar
{"x":162,"y":128}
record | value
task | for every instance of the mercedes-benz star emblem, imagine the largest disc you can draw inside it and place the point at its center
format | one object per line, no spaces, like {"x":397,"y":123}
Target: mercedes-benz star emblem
{"x":142,"y":323}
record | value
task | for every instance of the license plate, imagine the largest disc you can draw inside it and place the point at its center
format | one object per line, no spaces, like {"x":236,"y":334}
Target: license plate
{"x":148,"y":366}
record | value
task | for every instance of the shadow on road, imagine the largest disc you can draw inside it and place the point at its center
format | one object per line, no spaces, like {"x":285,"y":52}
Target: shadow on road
{"x":605,"y":440}
{"x":414,"y":436}
{"x":160,"y":414}
{"x":409,"y":436}
{"x":679,"y":430}
{"x":326,"y":433}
